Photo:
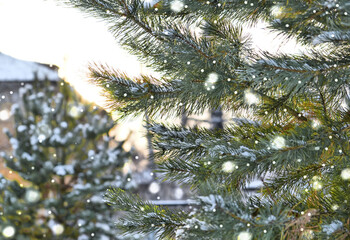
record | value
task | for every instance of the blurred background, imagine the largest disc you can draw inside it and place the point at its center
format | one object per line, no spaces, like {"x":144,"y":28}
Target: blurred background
{"x":41,"y":31}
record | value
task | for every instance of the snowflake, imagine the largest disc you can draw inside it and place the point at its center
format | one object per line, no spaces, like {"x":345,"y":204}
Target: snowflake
{"x":177,"y":5}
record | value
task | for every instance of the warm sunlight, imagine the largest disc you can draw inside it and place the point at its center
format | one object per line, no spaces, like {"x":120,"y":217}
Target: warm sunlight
{"x":43,"y":31}
{"x":39,"y":30}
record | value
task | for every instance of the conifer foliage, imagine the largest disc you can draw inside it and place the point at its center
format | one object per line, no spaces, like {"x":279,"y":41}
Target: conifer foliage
{"x":62,"y":149}
{"x":295,"y":140}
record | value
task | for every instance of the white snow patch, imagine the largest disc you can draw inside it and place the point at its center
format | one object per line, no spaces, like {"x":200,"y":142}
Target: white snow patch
{"x":62,"y":170}
{"x":271,"y":218}
{"x":104,"y":237}
{"x":96,"y":199}
{"x":21,"y":128}
{"x":212,"y":200}
{"x":82,"y":187}
{"x":256,"y":184}
{"x":331,"y":228}
{"x":27,"y":156}
{"x":103,"y":226}
{"x":83,"y":237}
{"x":14,"y":143}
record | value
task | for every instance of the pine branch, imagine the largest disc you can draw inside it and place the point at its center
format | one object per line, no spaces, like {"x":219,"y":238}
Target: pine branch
{"x":144,"y":217}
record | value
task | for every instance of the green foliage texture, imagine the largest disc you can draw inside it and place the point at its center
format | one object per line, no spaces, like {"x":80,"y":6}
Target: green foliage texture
{"x":295,"y":140}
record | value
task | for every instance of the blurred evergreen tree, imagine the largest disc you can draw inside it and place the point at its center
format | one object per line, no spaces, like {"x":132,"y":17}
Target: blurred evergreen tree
{"x":62,"y":147}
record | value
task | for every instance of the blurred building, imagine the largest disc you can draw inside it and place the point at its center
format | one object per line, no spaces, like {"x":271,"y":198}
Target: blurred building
{"x":15,"y":73}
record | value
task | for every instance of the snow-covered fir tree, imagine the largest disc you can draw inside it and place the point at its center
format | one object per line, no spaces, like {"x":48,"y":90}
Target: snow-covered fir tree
{"x":295,"y":141}
{"x":62,"y":149}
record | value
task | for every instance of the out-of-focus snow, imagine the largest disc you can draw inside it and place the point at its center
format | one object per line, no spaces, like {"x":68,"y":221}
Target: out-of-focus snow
{"x":331,"y":228}
{"x":63,"y":170}
{"x":255,"y":184}
{"x":12,"y":69}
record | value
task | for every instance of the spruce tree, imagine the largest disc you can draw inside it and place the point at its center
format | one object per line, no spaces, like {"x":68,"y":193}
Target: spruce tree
{"x":294,"y":138}
{"x":62,"y":149}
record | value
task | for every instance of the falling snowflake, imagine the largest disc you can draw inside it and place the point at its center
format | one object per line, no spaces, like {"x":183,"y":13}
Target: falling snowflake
{"x":154,"y":188}
{"x":75,"y":111}
{"x":178,"y":193}
{"x":244,"y":236}
{"x":4,"y":115}
{"x":177,"y":5}
{"x":345,"y":174}
{"x":211,"y":80}
{"x":8,"y":232}
{"x":316,"y":183}
{"x":315,"y":124}
{"x":251,"y":98}
{"x":57,"y":229}
{"x":228,"y":166}
{"x":32,"y":195}
{"x":278,"y":142}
